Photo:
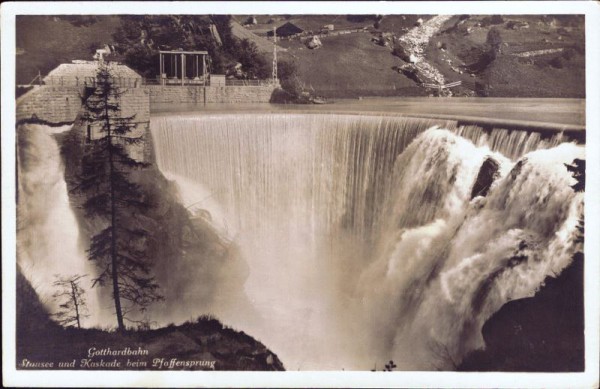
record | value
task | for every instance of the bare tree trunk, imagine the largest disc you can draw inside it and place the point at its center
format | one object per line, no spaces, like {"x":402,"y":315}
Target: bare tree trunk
{"x":74,"y":295}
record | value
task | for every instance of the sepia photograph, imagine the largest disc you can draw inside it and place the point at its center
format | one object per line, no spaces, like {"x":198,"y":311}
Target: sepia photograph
{"x":396,"y":191}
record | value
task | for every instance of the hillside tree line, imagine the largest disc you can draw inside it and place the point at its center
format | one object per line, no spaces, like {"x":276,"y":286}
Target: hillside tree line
{"x":140,"y":37}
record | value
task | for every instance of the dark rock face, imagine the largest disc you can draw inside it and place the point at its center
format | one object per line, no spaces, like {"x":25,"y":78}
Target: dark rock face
{"x":488,"y":173}
{"x":401,"y":52}
{"x":32,"y":316}
{"x":543,"y":333}
{"x":412,"y":72}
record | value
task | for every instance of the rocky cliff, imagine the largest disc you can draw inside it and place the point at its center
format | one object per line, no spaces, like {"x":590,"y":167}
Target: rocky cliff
{"x":543,"y":333}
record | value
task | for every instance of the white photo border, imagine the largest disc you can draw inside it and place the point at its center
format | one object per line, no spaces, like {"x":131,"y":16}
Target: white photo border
{"x":587,"y":379}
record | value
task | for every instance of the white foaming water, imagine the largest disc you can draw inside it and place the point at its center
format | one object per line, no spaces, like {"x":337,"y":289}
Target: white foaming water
{"x":362,"y":241}
{"x":47,"y":231}
{"x":442,"y":275}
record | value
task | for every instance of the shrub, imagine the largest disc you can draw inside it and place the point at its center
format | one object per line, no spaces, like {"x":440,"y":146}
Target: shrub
{"x":481,"y":89}
{"x":253,"y":63}
{"x":494,"y":39}
{"x":291,"y":87}
{"x":209,"y":323}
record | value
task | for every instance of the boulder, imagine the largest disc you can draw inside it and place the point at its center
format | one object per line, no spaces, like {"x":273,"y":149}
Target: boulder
{"x":314,"y":42}
{"x":412,"y":72}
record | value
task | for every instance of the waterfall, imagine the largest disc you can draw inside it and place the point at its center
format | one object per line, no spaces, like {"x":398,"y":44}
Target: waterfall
{"x":360,"y":234}
{"x":47,"y":231}
{"x":512,"y":144}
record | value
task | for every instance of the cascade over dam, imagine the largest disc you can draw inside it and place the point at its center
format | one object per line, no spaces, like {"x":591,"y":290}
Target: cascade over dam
{"x":370,"y":238}
{"x":361,"y":238}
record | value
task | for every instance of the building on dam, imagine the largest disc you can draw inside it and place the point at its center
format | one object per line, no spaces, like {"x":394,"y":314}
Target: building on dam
{"x":184,"y":80}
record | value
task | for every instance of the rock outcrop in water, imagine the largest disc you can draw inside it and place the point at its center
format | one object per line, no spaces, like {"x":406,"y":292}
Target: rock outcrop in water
{"x":488,"y":173}
{"x":543,"y":333}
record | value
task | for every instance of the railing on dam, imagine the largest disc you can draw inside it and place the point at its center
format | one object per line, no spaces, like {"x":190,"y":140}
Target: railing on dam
{"x":135,"y":82}
{"x":200,"y":82}
{"x":248,"y":82}
{"x":125,"y":82}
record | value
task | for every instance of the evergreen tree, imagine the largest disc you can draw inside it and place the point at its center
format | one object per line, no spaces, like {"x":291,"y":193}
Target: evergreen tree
{"x":253,"y":63}
{"x":72,"y":304}
{"x":119,"y":248}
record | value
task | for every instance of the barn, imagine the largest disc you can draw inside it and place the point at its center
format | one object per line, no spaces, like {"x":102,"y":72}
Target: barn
{"x":286,"y":30}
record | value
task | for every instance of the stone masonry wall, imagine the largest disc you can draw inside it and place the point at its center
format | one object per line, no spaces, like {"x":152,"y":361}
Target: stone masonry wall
{"x":214,"y":94}
{"x":136,"y":101}
{"x":59,"y":104}
{"x":55,"y":104}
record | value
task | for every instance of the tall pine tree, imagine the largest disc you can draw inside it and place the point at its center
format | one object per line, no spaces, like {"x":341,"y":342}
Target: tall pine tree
{"x":114,"y":199}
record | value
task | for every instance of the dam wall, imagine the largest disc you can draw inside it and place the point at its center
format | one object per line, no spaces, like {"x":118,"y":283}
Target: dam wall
{"x":54,"y":104}
{"x":160,"y":94}
{"x":63,"y":104}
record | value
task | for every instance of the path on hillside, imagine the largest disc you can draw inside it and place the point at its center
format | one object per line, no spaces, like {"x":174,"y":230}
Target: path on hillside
{"x":415,"y":42}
